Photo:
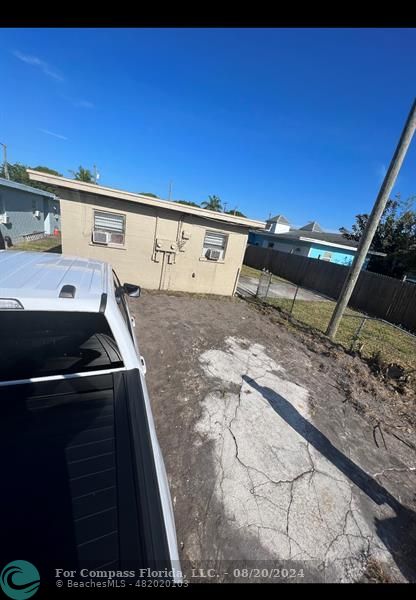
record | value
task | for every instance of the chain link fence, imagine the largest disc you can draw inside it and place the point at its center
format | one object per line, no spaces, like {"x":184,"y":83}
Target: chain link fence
{"x":390,"y":347}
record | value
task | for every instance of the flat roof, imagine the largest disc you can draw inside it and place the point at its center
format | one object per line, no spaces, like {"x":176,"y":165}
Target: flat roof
{"x":36,"y":279}
{"x":99,"y":190}
{"x":24,"y":188}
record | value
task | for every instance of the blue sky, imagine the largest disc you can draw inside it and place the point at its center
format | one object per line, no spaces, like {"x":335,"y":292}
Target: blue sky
{"x":295,"y":121}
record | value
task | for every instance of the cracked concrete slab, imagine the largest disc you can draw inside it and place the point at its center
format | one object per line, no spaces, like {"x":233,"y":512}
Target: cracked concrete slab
{"x":268,"y":439}
{"x":269,"y":478}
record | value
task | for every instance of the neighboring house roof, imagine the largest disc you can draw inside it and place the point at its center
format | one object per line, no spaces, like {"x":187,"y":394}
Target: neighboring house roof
{"x":335,"y":240}
{"x":278,"y":219}
{"x":320,"y":236}
{"x":99,"y":190}
{"x":25,"y":188}
{"x":312,"y":226}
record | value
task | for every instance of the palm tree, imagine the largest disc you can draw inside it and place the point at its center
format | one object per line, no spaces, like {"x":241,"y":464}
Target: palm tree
{"x":83,"y":175}
{"x":213,"y":203}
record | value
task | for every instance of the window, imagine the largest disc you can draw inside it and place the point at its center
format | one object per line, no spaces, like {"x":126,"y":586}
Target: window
{"x":111,"y":223}
{"x":215,"y":244}
{"x":271,"y":245}
{"x":41,"y":344}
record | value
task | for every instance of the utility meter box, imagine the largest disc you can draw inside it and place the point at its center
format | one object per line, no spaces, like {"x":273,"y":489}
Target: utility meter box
{"x":166,"y":245}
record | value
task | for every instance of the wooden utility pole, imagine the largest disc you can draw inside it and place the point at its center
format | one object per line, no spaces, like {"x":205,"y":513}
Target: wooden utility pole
{"x":170,"y":190}
{"x":373,"y":221}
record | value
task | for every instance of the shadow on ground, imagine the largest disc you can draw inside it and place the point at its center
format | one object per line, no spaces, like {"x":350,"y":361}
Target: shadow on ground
{"x":398,"y":533}
{"x":55,"y":249}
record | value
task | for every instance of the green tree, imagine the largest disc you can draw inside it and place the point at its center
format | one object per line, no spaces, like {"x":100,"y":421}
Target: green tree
{"x":83,"y":175}
{"x":47,"y":170}
{"x":187,"y":203}
{"x":395,"y":236}
{"x":236,"y":213}
{"x":18,"y":173}
{"x":148,"y":194}
{"x":213,"y":203}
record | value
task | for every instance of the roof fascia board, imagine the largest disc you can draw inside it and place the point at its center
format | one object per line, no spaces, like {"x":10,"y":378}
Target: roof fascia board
{"x":325,"y":243}
{"x":99,"y":190}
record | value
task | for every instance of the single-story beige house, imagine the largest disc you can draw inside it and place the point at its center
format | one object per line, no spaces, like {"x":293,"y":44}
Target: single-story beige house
{"x":158,"y":244}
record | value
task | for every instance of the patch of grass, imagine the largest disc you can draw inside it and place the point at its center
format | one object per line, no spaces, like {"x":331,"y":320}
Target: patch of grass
{"x":251,"y":272}
{"x":51,"y":243}
{"x":392,"y":345}
{"x":375,"y":573}
{"x":380,"y":340}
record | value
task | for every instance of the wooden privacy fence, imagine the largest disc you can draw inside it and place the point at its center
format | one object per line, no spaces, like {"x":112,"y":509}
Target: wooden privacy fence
{"x":377,"y":295}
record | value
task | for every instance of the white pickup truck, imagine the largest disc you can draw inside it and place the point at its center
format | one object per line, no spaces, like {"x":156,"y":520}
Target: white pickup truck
{"x":83,"y":479}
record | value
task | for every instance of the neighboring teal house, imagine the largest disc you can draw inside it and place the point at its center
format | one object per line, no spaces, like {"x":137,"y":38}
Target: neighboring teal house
{"x":310,"y":240}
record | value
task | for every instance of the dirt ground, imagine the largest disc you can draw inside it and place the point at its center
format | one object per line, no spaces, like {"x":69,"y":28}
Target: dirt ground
{"x":281,"y":449}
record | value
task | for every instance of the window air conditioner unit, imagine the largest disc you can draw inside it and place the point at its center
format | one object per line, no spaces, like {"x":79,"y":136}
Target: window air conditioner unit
{"x":4,"y":218}
{"x":36,"y":213}
{"x":213,"y":254}
{"x":100,"y":237}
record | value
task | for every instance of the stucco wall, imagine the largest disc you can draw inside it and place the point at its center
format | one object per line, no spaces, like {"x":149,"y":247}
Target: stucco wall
{"x":338,"y":256}
{"x":136,"y":261}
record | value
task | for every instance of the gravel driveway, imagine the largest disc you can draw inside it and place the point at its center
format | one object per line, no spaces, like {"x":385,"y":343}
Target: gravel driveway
{"x":271,"y":447}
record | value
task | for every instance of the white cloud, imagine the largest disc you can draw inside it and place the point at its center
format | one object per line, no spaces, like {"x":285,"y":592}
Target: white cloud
{"x":50,"y":71}
{"x":78,"y":102}
{"x":83,"y":104}
{"x":40,"y":64}
{"x":57,"y":135}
